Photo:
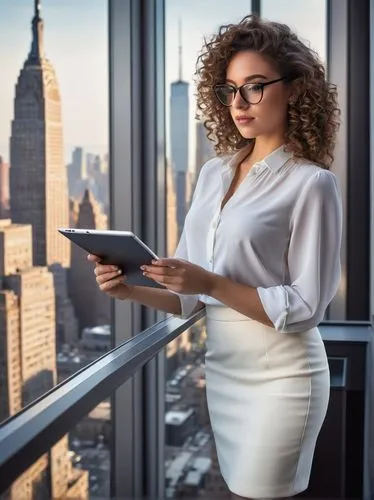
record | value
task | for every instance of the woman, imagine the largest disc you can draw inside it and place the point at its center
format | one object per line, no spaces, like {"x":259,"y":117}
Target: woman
{"x":260,"y":249}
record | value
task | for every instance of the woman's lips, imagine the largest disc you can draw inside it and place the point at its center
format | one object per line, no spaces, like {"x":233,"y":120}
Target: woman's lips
{"x":244,"y":120}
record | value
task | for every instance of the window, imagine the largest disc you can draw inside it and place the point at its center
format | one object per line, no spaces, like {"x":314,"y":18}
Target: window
{"x":308,"y":20}
{"x":54,"y":108}
{"x":190,"y":458}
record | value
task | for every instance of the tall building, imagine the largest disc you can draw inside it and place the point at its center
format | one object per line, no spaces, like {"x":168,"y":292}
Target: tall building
{"x":4,"y":189}
{"x":204,"y":147}
{"x":34,"y":289}
{"x":28,"y":360}
{"x":77,"y":173}
{"x":33,"y":286}
{"x":67,"y":328}
{"x":38,"y":179}
{"x":91,"y":306}
{"x":179,"y":114}
{"x":79,"y":163}
{"x":99,"y":181}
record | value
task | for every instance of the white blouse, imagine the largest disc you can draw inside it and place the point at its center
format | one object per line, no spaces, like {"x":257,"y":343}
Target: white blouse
{"x":280,"y":233}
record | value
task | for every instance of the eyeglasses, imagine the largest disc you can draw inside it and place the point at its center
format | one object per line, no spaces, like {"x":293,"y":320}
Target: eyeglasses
{"x":251,"y":93}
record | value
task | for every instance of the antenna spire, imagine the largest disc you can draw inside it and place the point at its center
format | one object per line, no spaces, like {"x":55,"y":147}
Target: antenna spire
{"x":37,"y":8}
{"x":180,"y":49}
{"x":36,"y":52}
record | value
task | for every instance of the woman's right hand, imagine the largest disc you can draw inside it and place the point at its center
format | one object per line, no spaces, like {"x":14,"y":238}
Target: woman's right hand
{"x":110,"y":279}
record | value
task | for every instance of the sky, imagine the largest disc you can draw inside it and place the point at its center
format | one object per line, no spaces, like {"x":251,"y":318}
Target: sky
{"x":76,"y":42}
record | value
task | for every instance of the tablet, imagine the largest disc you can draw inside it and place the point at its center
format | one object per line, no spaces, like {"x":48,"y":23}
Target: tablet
{"x":120,"y":248}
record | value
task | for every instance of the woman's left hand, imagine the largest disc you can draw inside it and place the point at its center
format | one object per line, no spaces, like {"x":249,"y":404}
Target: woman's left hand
{"x":180,"y":276}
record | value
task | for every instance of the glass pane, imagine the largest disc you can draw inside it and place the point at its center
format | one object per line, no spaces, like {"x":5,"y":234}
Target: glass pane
{"x":307,"y":19}
{"x":76,"y":467}
{"x":53,"y":172}
{"x":191,"y":467}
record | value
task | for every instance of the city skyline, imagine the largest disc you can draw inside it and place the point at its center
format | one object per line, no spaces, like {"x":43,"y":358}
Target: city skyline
{"x":80,"y":58}
{"x":35,"y":264}
{"x":85,"y":98}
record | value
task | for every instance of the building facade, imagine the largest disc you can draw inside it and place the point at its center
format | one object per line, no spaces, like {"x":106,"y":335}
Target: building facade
{"x":179,"y":140}
{"x":91,"y":305}
{"x":28,"y":359}
{"x":38,"y":179}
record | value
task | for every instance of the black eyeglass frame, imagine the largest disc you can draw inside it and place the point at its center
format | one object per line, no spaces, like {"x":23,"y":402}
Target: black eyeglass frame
{"x":239,"y":89}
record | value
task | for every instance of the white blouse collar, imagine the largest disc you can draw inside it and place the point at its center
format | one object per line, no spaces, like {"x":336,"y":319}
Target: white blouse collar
{"x":274,"y":161}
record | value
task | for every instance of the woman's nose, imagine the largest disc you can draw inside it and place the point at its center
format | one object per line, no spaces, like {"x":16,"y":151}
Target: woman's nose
{"x":239,"y":102}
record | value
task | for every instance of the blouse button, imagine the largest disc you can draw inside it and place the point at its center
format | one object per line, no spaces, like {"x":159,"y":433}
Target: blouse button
{"x":255,"y":168}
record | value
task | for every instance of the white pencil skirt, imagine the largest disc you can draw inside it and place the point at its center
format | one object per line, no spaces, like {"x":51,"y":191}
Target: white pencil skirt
{"x":267,"y":395}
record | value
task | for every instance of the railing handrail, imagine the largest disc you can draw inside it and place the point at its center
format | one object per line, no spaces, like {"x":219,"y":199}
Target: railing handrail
{"x":34,"y":430}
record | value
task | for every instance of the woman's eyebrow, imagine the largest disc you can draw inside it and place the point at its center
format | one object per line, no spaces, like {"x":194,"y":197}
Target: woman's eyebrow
{"x":249,"y":78}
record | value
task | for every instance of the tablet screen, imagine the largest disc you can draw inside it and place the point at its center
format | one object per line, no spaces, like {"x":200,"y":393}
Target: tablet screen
{"x":121,"y":248}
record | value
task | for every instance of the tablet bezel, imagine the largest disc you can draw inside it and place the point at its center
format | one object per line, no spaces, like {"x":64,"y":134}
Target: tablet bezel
{"x":135,"y":277}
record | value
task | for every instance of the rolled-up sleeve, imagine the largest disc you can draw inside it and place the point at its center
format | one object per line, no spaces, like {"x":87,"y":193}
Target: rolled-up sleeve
{"x":313,"y":258}
{"x":188,"y":302}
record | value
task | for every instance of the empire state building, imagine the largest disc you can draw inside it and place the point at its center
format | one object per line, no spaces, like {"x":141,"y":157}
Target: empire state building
{"x":38,"y":179}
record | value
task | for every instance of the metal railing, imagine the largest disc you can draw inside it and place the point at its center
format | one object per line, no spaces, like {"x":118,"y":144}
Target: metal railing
{"x":30,"y":433}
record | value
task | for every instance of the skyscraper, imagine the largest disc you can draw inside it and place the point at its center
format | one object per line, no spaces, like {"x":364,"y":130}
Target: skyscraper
{"x":28,"y":360}
{"x":91,"y":305}
{"x":179,"y":114}
{"x":77,"y":173}
{"x":38,"y":178}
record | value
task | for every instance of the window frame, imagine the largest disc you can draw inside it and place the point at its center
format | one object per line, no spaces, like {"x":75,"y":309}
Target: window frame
{"x":138,"y":203}
{"x":348,"y":48}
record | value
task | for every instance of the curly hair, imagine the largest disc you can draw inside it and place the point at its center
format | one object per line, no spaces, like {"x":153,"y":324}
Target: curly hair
{"x":313,"y":113}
